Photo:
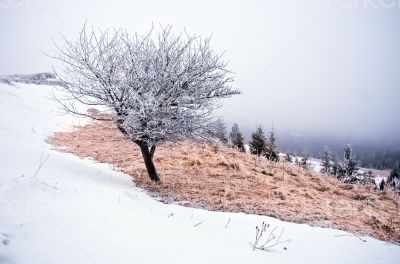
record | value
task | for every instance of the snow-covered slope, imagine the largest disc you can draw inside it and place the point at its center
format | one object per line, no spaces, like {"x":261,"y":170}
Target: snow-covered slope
{"x":58,"y":208}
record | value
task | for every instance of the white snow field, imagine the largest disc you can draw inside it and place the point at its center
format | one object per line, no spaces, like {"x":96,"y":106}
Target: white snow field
{"x":75,"y":210}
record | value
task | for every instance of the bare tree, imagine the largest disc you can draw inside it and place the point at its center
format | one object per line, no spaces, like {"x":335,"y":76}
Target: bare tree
{"x":160,"y":86}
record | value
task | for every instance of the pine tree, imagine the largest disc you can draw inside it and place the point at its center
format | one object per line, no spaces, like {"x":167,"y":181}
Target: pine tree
{"x":304,"y":159}
{"x":350,"y":165}
{"x":289,"y":157}
{"x":258,"y":142}
{"x":326,"y":160}
{"x":271,"y":150}
{"x":382,"y":185}
{"x":236,"y":138}
{"x":337,"y":168}
{"x":220,"y":130}
{"x":368,"y":178}
{"x":394,"y":178}
{"x":394,"y":174}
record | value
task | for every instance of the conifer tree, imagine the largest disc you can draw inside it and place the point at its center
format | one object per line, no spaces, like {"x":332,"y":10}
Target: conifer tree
{"x":368,"y":178}
{"x":349,"y":163}
{"x":289,"y":157}
{"x":220,"y":130}
{"x":271,"y":150}
{"x":337,"y":168}
{"x":304,"y":159}
{"x":393,"y":180}
{"x":258,"y":142}
{"x":236,"y":138}
{"x":382,"y":185}
{"x":326,"y":160}
{"x":394,"y":174}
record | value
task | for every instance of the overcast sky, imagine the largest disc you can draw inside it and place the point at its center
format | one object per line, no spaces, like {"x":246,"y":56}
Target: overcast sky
{"x":312,"y":67}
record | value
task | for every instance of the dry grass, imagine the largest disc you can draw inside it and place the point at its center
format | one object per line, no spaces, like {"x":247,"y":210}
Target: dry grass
{"x":220,"y":178}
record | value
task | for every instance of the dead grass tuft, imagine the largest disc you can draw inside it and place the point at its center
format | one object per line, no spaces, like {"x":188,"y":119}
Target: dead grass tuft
{"x":360,"y":197}
{"x":220,"y":178}
{"x":322,"y":188}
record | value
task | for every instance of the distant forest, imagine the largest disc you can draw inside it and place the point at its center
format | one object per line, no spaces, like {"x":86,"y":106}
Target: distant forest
{"x":379,"y":155}
{"x":380,"y":160}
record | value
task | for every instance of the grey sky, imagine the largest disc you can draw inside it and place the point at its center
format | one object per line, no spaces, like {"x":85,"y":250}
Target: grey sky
{"x":311,"y":67}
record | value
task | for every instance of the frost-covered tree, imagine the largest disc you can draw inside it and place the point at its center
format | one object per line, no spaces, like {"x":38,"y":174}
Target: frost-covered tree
{"x":159,"y":86}
{"x":289,"y":157}
{"x":337,"y":169}
{"x":236,"y":138}
{"x":393,"y":181}
{"x":326,"y":160}
{"x":271,"y":150}
{"x":297,"y":161}
{"x":305,"y":158}
{"x":220,"y":130}
{"x":369,"y":174}
{"x":258,"y":142}
{"x":394,"y":174}
{"x":349,"y":163}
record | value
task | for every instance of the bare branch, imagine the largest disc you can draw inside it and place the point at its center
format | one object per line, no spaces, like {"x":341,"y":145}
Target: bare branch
{"x":160,"y":86}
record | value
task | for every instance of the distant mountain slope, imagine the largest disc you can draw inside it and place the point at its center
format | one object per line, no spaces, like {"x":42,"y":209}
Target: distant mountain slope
{"x":44,"y":78}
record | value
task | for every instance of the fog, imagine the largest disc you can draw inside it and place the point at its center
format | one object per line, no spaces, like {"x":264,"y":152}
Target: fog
{"x":323,"y":69}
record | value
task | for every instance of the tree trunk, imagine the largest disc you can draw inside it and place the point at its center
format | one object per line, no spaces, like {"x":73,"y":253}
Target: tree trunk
{"x":147,"y":153}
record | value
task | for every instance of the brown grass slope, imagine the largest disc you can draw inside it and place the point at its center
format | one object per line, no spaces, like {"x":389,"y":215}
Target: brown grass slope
{"x":220,"y":178}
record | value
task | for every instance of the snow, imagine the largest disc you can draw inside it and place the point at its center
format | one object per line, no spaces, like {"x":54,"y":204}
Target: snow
{"x":79,"y":211}
{"x":315,"y":164}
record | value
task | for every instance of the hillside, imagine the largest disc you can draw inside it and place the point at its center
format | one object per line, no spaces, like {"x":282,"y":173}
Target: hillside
{"x":59,"y":208}
{"x":219,"y":178}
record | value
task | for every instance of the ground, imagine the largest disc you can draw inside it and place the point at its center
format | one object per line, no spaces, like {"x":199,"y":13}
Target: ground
{"x":217,"y":177}
{"x":58,"y":208}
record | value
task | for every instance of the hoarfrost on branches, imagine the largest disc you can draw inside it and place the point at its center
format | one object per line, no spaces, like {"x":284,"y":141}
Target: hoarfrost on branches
{"x":160,"y":86}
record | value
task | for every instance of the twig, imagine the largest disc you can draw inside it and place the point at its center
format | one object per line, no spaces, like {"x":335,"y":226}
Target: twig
{"x":363,"y":240}
{"x":270,"y":242}
{"x":199,"y":223}
{"x":226,"y":226}
{"x":41,"y":163}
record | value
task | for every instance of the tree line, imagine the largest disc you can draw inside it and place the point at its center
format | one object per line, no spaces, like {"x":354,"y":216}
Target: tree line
{"x":345,"y":169}
{"x":259,"y":144}
{"x":380,"y":160}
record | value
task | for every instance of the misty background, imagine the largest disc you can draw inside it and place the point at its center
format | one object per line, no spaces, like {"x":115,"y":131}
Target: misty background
{"x":322,"y":72}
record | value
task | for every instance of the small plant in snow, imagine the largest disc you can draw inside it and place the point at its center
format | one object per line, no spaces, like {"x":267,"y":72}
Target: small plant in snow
{"x":273,"y":238}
